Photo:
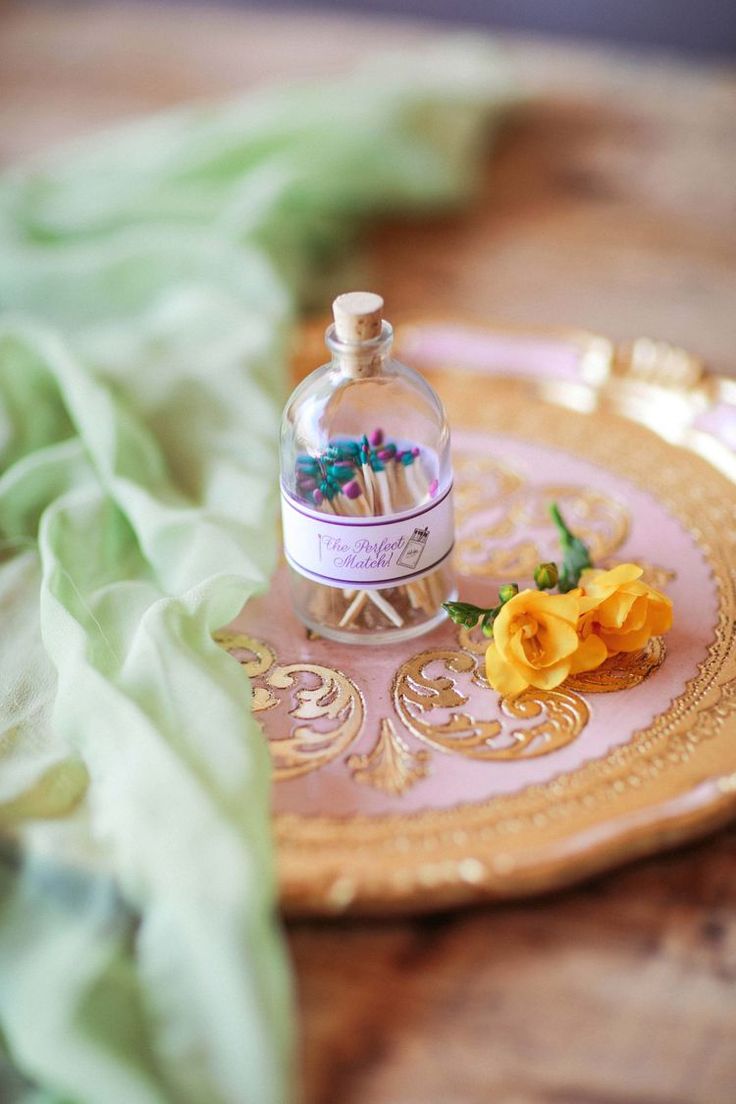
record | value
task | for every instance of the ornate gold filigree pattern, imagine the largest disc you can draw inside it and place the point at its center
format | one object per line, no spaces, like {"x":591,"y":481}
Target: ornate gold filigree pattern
{"x":417,"y":692}
{"x":473,"y":641}
{"x":335,"y":703}
{"x":256,"y":657}
{"x":390,"y":765}
{"x":564,"y":716}
{"x":334,"y":699}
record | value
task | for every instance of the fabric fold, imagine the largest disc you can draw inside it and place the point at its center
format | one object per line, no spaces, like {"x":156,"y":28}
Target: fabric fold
{"x":149,"y":280}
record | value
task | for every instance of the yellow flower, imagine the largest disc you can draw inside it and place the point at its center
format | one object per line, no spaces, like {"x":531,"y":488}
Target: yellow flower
{"x":536,"y":643}
{"x":621,"y":610}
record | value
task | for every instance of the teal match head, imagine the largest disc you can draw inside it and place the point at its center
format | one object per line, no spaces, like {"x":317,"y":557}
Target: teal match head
{"x":340,"y":475}
{"x":307,"y":464}
{"x":342,"y":450}
{"x":329,"y":488}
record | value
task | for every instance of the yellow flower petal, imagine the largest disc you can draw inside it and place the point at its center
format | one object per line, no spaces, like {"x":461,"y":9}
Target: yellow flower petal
{"x":590,"y":654}
{"x":617,"y":576}
{"x":557,"y":638}
{"x":503,"y":677}
{"x":622,"y":610}
{"x":502,"y":625}
{"x":516,"y":651}
{"x":614,"y":611}
{"x":639,"y":612}
{"x":661,"y":616}
{"x":564,"y":606}
{"x":626,"y":642}
{"x":549,"y":677}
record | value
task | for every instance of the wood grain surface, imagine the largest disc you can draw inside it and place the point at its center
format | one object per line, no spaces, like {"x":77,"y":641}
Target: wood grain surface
{"x":610,"y":204}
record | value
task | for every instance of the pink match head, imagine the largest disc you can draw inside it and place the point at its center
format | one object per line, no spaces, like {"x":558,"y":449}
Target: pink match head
{"x":376,"y":437}
{"x":352,"y":490}
{"x":317,"y":497}
{"x":415,"y":451}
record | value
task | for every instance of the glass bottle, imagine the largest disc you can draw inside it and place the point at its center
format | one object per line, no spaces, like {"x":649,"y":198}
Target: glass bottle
{"x":366,"y":488}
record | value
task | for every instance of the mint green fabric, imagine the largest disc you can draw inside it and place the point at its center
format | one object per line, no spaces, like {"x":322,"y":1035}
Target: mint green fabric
{"x":148,"y":281}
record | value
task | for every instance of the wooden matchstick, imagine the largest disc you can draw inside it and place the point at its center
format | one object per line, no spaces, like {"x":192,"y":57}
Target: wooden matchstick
{"x":385,"y":489}
{"x":385,"y":607}
{"x":354,"y":608}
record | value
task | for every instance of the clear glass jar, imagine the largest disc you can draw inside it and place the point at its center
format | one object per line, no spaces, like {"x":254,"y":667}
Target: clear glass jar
{"x":367,"y":492}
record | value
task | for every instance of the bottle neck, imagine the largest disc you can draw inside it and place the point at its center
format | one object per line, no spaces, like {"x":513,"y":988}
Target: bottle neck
{"x":361,"y":359}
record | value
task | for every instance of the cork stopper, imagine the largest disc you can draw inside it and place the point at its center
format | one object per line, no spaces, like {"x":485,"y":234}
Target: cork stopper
{"x":358,"y":316}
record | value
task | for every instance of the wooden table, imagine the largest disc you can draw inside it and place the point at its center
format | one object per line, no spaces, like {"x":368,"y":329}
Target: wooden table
{"x":610,"y":205}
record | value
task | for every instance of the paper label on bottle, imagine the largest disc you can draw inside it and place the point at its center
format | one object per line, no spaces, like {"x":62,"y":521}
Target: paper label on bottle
{"x":368,"y":553}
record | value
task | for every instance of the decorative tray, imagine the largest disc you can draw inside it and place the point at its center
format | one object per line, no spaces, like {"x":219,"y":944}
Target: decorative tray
{"x":401,"y":781}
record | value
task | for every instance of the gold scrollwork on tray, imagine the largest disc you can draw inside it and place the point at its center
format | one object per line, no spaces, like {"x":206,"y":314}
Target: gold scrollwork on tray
{"x":564,"y":716}
{"x":473,"y":641}
{"x":417,"y":692}
{"x":335,"y":703}
{"x":256,"y":657}
{"x":390,"y":765}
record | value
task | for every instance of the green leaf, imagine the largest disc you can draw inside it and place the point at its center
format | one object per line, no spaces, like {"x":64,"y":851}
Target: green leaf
{"x":575,"y":552}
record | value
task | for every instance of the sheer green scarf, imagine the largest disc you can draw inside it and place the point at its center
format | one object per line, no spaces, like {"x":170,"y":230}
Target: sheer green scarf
{"x":148,"y":282}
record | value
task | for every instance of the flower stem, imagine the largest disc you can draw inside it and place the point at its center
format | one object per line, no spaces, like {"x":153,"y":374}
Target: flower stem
{"x":575,"y":552}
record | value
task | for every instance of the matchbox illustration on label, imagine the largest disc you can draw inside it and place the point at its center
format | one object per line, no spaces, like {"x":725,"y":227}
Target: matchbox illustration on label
{"x":412,"y":554}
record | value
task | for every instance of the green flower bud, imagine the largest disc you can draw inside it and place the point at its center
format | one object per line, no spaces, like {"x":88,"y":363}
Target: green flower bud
{"x":507,"y":592}
{"x":463,"y":613}
{"x":546,"y":576}
{"x":487,"y":622}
